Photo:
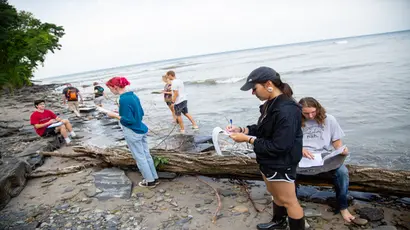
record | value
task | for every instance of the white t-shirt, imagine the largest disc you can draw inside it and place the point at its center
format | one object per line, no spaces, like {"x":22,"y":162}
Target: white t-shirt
{"x":177,"y":84}
{"x":319,"y":138}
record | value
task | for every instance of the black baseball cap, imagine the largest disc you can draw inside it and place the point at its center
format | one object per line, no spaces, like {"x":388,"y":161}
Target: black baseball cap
{"x":260,"y":75}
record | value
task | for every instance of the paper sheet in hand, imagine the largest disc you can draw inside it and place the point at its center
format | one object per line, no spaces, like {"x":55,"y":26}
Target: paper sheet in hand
{"x":101,"y":109}
{"x":318,"y":161}
{"x":55,"y":125}
{"x":215,"y":133}
{"x":306,"y":162}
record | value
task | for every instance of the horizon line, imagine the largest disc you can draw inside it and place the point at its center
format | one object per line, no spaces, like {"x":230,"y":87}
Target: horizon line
{"x":226,"y":52}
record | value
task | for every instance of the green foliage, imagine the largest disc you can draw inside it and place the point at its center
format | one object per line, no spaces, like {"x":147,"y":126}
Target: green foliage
{"x":24,"y":44}
{"x":158,"y":161}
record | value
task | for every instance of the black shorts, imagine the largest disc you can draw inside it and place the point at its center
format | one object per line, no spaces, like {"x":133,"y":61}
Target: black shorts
{"x":181,"y":108}
{"x":279,"y":174}
{"x":49,"y":132}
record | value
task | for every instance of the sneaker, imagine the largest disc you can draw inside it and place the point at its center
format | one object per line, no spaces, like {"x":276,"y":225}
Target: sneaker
{"x":182,"y":131}
{"x":77,"y":137}
{"x":156,"y":181}
{"x":195,"y":127}
{"x":147,"y":184}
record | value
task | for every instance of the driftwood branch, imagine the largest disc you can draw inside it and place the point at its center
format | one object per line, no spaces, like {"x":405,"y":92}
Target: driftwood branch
{"x":361,"y":178}
{"x":66,"y":170}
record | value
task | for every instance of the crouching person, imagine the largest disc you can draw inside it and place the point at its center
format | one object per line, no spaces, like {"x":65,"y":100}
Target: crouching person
{"x":42,"y":119}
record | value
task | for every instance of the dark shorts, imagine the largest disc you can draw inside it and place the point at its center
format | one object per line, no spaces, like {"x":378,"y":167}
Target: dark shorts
{"x":49,"y":132}
{"x":181,"y":108}
{"x":278,"y":174}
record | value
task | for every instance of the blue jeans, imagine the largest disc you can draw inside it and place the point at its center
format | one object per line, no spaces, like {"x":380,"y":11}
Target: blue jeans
{"x":140,"y":152}
{"x":341,"y":183}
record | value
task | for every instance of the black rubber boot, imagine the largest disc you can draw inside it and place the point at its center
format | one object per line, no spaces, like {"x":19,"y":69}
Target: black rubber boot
{"x":278,"y":220}
{"x":296,"y":224}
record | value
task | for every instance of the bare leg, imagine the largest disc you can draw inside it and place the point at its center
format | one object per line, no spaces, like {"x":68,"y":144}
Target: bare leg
{"x":284,"y":194}
{"x":180,"y":122}
{"x":68,"y":125}
{"x":191,"y":119}
{"x":171,"y":107}
{"x":62,"y":129}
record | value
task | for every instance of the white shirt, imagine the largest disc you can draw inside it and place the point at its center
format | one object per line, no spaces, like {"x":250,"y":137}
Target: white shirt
{"x":177,"y":84}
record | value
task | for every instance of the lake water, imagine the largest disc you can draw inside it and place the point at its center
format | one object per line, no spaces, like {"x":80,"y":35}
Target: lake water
{"x":363,"y":81}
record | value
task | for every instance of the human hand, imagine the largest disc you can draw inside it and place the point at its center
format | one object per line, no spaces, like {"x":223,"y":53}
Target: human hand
{"x":232,"y":129}
{"x":308,"y":154}
{"x":345,"y":151}
{"x":52,"y":121}
{"x":112,"y":115}
{"x":239,"y":137}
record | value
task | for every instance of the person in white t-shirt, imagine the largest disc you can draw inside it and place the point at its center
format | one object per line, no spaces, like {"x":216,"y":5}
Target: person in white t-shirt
{"x":180,"y":100}
{"x":322,"y":133}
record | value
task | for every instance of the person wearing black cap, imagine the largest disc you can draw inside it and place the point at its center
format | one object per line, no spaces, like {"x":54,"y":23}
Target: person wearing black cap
{"x":277,"y":141}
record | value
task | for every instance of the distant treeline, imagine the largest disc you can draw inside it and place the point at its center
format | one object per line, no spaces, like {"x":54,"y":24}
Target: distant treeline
{"x":24,"y":43}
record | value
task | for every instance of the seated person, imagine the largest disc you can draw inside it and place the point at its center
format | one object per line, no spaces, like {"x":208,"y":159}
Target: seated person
{"x":42,"y":118}
{"x":321,"y":134}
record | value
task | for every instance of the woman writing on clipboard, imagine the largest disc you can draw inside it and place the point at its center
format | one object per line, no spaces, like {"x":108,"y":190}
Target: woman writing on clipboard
{"x":277,"y":143}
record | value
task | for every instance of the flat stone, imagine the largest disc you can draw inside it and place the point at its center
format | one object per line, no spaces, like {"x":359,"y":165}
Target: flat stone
{"x":69,"y":189}
{"x":167,"y":175}
{"x":227,"y":192}
{"x":240,"y":208}
{"x":159,"y":199}
{"x":161,"y":191}
{"x":365,"y":196}
{"x":312,"y":213}
{"x":405,"y":200}
{"x":371,"y":214}
{"x":113,"y":182}
{"x":242,"y":200}
{"x":360,"y":221}
{"x":208,"y":201}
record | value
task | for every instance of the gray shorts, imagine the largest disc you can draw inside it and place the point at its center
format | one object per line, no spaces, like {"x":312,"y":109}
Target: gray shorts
{"x":181,"y":108}
{"x":99,"y":100}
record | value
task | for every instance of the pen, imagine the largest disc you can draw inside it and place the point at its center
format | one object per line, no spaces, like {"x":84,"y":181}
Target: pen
{"x":230,"y":120}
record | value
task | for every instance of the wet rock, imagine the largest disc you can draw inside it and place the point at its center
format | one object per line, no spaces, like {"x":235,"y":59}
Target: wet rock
{"x":69,"y":189}
{"x":322,"y":197}
{"x":227,"y":192}
{"x":371,"y":214}
{"x":167,"y":175}
{"x":49,"y":180}
{"x":365,"y":196}
{"x":159,"y":199}
{"x":405,"y":200}
{"x":113,"y":182}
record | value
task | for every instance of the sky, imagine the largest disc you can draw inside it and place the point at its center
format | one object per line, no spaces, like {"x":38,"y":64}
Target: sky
{"x":109,"y":33}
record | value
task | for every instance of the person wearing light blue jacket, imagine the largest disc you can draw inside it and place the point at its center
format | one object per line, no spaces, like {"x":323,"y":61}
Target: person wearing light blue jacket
{"x":135,"y":131}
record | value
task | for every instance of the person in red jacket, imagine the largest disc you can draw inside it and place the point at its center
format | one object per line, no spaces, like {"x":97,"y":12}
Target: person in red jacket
{"x":42,"y":118}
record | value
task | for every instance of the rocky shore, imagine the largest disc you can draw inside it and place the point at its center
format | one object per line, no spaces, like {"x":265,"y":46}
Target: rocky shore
{"x":97,"y":198}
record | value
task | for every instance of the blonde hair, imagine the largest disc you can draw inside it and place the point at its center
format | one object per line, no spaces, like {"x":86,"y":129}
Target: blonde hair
{"x":165,"y":79}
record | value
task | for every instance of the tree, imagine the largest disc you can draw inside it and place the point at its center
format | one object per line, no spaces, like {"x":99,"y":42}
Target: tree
{"x":24,"y":43}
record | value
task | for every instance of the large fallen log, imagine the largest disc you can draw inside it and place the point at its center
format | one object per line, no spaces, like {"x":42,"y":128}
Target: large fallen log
{"x":362,"y":178}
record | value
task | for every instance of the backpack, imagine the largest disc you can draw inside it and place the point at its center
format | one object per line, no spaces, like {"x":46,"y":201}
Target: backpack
{"x":72,"y":95}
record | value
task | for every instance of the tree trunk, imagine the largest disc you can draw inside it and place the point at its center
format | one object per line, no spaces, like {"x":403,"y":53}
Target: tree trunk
{"x":361,"y":178}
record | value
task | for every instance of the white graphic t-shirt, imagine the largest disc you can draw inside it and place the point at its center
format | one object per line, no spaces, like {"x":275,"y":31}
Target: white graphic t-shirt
{"x":177,"y":84}
{"x":319,"y":138}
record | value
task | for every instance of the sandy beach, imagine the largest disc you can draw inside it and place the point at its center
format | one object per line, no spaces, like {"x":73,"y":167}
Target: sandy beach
{"x":75,"y":201}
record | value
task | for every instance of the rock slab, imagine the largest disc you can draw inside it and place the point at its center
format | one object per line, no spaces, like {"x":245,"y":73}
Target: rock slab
{"x":113,"y":183}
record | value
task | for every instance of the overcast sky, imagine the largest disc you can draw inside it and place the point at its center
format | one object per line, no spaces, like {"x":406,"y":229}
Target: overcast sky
{"x":108,"y":33}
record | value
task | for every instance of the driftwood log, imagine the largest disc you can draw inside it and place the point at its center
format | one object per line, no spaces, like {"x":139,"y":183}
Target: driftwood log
{"x":362,"y":178}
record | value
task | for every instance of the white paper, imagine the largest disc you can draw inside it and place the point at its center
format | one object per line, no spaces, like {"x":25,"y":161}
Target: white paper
{"x":101,"y":109}
{"x":55,"y":125}
{"x":215,"y":133}
{"x":334,"y":153}
{"x":306,"y":162}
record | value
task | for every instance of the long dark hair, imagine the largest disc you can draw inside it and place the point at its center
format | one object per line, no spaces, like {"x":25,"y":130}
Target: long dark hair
{"x":284,"y":87}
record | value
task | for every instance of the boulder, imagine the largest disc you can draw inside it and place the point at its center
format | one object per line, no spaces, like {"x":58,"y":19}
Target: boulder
{"x":13,"y":174}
